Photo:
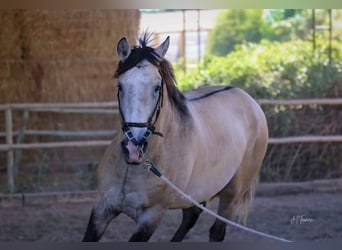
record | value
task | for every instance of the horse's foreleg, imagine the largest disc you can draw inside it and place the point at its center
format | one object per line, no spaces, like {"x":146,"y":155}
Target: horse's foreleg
{"x":147,"y":223}
{"x":99,"y":219}
{"x":190,"y":216}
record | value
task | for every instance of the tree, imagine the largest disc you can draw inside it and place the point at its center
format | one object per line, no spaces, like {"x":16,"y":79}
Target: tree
{"x":234,"y":27}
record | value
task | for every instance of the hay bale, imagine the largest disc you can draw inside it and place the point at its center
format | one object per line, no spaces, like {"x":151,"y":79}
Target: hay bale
{"x":77,"y":34}
{"x":10,"y":35}
{"x":61,"y":56}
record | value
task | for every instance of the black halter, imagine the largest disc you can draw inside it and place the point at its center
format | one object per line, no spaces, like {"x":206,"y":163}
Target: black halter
{"x":149,"y":125}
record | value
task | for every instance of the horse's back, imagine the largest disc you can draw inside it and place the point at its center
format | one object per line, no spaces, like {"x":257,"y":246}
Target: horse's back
{"x":206,"y":91}
{"x":228,"y":105}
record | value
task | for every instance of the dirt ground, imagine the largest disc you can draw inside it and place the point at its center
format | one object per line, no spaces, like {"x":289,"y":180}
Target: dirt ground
{"x":299,"y":216}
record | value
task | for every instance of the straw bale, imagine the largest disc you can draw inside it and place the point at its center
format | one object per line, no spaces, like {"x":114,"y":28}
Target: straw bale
{"x":70,"y":81}
{"x":61,"y":56}
{"x":81,"y":34}
{"x":16,"y":83}
{"x":10,"y":34}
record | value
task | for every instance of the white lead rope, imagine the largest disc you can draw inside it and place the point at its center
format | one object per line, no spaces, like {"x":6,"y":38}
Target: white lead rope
{"x":155,"y":171}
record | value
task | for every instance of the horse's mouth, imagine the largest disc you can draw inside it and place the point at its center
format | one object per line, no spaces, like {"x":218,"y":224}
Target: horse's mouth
{"x":133,"y":155}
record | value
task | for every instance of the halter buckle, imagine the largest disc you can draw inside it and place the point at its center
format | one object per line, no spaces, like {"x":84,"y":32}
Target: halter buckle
{"x":129,"y":135}
{"x":147,"y":134}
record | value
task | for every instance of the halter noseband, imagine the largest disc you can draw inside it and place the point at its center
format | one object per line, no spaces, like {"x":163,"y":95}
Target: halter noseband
{"x":149,"y":125}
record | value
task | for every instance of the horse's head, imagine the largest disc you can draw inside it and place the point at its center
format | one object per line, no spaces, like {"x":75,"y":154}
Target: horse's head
{"x":140,"y":95}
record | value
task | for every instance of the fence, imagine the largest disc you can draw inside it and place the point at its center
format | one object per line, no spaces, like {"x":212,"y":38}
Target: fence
{"x":111,"y":108}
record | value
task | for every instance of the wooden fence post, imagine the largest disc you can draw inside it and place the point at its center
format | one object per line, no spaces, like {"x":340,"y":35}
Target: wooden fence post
{"x":10,"y":154}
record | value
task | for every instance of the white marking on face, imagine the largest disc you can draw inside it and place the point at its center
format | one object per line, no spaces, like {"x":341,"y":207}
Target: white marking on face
{"x":139,"y":94}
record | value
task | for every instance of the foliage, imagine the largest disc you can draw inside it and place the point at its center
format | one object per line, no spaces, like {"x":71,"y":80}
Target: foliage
{"x":271,"y":69}
{"x":337,"y":24}
{"x":284,"y":70}
{"x":286,"y":24}
{"x":234,"y":27}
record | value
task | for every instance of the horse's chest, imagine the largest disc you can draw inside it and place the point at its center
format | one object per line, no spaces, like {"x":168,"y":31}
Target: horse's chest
{"x":131,"y":193}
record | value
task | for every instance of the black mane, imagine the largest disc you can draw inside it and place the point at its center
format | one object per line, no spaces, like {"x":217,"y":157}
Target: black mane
{"x":144,"y":52}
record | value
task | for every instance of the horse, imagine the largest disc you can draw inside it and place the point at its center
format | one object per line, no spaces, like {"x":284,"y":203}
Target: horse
{"x":209,"y":142}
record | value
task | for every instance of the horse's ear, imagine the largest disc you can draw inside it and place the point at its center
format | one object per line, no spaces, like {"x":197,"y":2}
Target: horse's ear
{"x":162,"y":48}
{"x":123,"y":49}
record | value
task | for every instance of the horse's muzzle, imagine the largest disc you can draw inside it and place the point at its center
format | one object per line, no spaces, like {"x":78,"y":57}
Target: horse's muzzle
{"x":133,"y":154}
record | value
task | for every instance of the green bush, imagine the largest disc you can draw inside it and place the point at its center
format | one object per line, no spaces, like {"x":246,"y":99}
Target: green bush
{"x":271,"y":70}
{"x":287,"y":24}
{"x":236,"y":27}
{"x":286,"y":70}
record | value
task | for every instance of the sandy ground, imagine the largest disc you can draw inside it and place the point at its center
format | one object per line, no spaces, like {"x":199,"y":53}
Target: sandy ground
{"x":301,"y":216}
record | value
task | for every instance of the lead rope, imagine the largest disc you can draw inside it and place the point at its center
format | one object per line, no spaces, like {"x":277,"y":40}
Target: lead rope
{"x":155,"y":171}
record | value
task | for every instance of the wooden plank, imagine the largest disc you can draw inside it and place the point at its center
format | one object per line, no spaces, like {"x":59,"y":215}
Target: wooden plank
{"x":262,"y":190}
{"x":290,"y":188}
{"x":27,"y":199}
{"x":62,"y":133}
{"x":7,"y":147}
{"x":25,"y":106}
{"x":306,"y":139}
{"x":45,"y":106}
{"x":322,"y":101}
{"x":65,"y":133}
{"x":76,"y":111}
{"x":21,"y":106}
{"x":284,"y":140}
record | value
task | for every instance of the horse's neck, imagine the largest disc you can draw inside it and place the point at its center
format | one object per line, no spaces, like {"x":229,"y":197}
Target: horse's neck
{"x":175,"y":129}
{"x":168,"y":152}
{"x":172,"y":124}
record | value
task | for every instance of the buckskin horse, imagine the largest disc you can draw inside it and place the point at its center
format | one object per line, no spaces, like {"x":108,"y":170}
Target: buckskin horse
{"x":209,"y":142}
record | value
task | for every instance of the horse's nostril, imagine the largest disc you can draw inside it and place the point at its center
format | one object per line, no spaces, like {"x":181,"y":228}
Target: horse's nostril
{"x":133,"y":154}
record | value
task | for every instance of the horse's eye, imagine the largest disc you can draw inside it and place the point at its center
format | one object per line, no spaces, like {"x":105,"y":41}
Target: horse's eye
{"x":157,"y":89}
{"x":119,"y":87}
